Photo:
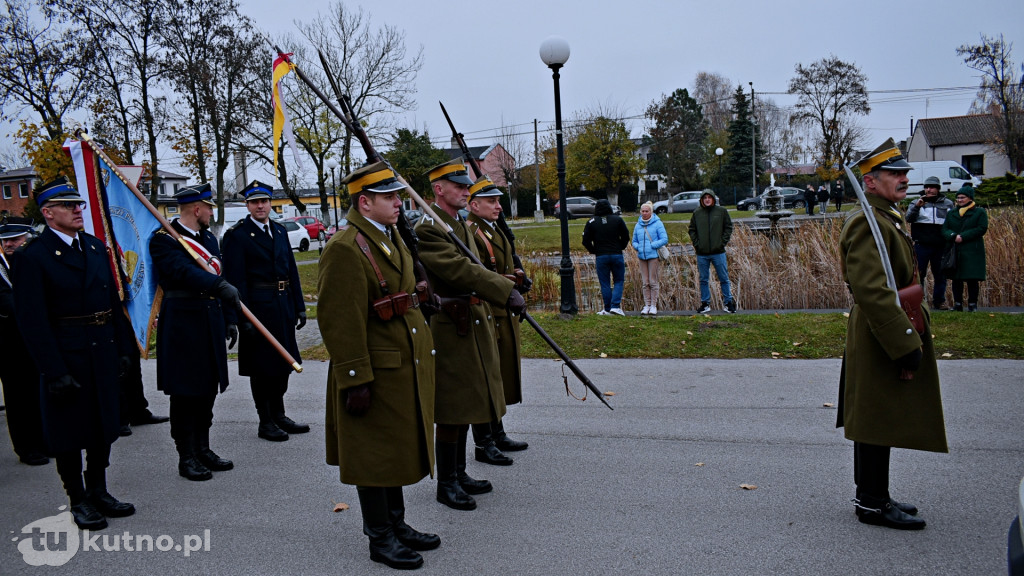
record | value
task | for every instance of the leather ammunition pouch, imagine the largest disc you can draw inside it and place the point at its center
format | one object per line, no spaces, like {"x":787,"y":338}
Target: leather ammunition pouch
{"x":458,"y":309}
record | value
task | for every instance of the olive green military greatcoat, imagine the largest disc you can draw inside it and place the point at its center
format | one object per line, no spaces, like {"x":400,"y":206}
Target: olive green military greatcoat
{"x":875,"y":406}
{"x":506,"y":324}
{"x":392,"y":444}
{"x":468,"y":376}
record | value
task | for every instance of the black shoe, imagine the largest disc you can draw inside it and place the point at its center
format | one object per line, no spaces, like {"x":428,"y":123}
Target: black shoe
{"x":704,"y":308}
{"x":288,"y":425}
{"x":125,"y":430}
{"x":490,"y":454}
{"x":453,"y":496}
{"x":212,"y":461}
{"x":473,"y":486}
{"x":388,"y":550}
{"x":269,"y":431}
{"x":889,"y":516}
{"x":147,"y":417}
{"x":415,"y":540}
{"x":34,"y":459}
{"x":506,"y":444}
{"x":906,"y":508}
{"x":958,"y":307}
{"x":730,"y":306}
{"x":109,"y":506}
{"x":87,"y":517}
{"x":192,"y":469}
{"x":972,"y":307}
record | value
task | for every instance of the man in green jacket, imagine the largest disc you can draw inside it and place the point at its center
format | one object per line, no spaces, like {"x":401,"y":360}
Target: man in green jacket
{"x":710,"y":230}
{"x":380,"y":392}
{"x":889,"y":387}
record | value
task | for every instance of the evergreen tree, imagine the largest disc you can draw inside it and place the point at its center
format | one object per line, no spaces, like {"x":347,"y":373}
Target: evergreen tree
{"x":736,"y":170}
{"x":411,"y":155}
{"x":677,"y":137}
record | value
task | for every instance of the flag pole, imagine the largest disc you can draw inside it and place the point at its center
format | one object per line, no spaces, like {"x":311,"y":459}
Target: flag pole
{"x":81,"y":135}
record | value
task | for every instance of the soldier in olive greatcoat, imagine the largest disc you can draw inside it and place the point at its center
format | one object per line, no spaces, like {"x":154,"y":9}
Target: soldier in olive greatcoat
{"x":879,"y":407}
{"x":496,"y":252}
{"x":469,"y":388}
{"x":380,"y":392}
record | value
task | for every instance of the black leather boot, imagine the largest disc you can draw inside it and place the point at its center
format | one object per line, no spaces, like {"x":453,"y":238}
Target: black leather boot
{"x":470,"y":485}
{"x":449,"y":492}
{"x":384,"y":546}
{"x":906,"y":508}
{"x":486,"y":451}
{"x":502,"y":441}
{"x":285,"y":423}
{"x":189,"y":467}
{"x":208,"y":457}
{"x":97,"y":495}
{"x":269,"y":429}
{"x":86,"y":516}
{"x":406,"y":534}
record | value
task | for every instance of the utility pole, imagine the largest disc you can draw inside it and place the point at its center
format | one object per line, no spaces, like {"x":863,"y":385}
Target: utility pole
{"x":753,"y":142}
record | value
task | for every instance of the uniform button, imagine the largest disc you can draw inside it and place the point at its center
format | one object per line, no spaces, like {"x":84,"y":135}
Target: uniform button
{"x":433,"y":352}
{"x":417,"y":360}
{"x":476,"y":322}
{"x":488,"y":316}
{"x":352,"y":373}
{"x":413,"y":330}
{"x":909,"y":331}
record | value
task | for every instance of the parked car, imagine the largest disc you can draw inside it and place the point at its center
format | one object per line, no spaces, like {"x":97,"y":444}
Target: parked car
{"x":414,"y":215}
{"x":314,"y":227}
{"x":342,"y":222}
{"x":1015,"y":538}
{"x":298,"y":238}
{"x":580,"y":206}
{"x":791,"y":198}
{"x":682,"y":202}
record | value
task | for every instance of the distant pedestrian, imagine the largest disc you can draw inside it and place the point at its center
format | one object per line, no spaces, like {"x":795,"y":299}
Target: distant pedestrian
{"x":926,"y":217}
{"x":837,"y":196}
{"x":965,"y":228}
{"x":710,"y":231}
{"x":649,"y":236}
{"x":606,"y":236}
{"x":822,"y":198}
{"x":810,"y":199}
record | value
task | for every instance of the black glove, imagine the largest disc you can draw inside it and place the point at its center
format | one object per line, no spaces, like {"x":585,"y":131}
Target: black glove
{"x":357,"y":399}
{"x":228,"y":293}
{"x":248,"y":329}
{"x":64,"y":388}
{"x":516,"y":304}
{"x":301,"y":320}
{"x":910,"y":361}
{"x":232,"y":333}
{"x":124,"y":364}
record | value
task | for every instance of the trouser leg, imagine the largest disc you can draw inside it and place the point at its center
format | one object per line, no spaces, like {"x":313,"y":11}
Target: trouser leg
{"x":185,"y":428}
{"x":871,"y":473}
{"x":618,"y":267}
{"x":265,"y":394}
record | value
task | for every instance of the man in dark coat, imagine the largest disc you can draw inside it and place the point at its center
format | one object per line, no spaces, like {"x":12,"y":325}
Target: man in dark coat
{"x":17,"y":371}
{"x":496,"y":251}
{"x":606,"y":236}
{"x":258,"y":261}
{"x":889,"y":386}
{"x":468,"y":365}
{"x":77,"y":333}
{"x":837,"y":196}
{"x":810,"y":199}
{"x":380,"y":392}
{"x":710,"y":231}
{"x":197,"y":314}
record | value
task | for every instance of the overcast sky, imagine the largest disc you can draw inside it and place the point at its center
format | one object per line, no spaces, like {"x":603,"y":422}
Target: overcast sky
{"x":481,"y":57}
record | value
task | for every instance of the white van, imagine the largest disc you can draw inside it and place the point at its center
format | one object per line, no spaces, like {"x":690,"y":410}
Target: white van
{"x":951,"y":175}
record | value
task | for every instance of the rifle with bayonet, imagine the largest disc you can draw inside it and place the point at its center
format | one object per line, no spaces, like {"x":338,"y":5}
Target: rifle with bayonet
{"x":347,"y":116}
{"x":502,"y":224}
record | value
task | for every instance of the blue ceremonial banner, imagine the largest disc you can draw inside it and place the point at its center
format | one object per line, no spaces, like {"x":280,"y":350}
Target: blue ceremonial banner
{"x":132,"y":226}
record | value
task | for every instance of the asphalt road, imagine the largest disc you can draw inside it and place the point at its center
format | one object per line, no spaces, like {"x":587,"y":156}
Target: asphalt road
{"x":653,"y":487}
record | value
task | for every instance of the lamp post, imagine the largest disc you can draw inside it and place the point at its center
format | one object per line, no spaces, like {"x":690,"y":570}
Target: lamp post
{"x":333,"y":164}
{"x":719,"y":152}
{"x":554,"y":51}
{"x":753,"y":143}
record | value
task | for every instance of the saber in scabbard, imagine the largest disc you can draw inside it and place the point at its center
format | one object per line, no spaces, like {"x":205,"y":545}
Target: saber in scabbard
{"x":81,"y":135}
{"x":347,"y":116}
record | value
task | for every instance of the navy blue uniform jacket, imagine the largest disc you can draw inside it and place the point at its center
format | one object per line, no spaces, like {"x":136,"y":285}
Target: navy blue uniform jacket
{"x":252,"y":261}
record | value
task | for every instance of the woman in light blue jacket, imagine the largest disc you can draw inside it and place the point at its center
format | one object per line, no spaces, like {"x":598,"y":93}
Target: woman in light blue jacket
{"x":649,"y":235}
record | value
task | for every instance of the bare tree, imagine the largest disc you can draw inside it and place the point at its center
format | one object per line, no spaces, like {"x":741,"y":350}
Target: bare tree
{"x":40,"y":67}
{"x":832,"y":95}
{"x":1001,"y":92}
{"x":370,"y":64}
{"x":714,"y":94}
{"x":517,"y":148}
{"x":779,"y":136}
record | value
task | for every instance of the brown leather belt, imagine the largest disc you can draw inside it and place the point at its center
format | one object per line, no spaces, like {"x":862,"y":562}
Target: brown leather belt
{"x":97,"y":319}
{"x":280,"y":285}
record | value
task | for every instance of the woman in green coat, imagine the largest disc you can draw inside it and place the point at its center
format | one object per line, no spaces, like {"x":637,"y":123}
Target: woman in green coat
{"x":965,"y":227}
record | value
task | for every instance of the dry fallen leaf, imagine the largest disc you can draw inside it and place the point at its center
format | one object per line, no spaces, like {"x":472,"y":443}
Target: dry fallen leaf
{"x":828,"y":405}
{"x":699,"y":464}
{"x":846,"y":314}
{"x":797,"y":343}
{"x":684,"y":342}
{"x":688,"y":333}
{"x":340,"y":506}
{"x":595,"y":349}
{"x":947,"y":355}
{"x":609,"y":393}
{"x":603,"y":355}
{"x":777,"y":315}
{"x":775,"y":354}
{"x":748,"y":486}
